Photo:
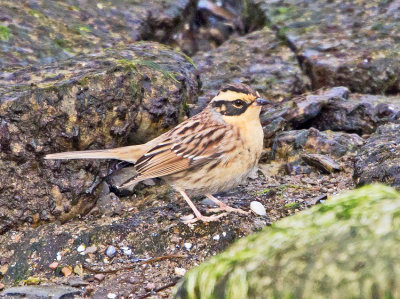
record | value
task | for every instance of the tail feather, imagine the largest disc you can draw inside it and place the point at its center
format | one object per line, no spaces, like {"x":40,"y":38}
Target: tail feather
{"x":128,"y":153}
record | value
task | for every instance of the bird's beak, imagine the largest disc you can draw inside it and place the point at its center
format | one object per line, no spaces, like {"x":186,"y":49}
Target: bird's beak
{"x":262,"y":102}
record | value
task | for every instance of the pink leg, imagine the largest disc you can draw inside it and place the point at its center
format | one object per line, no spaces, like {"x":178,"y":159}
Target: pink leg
{"x":224,"y":207}
{"x":199,"y":216}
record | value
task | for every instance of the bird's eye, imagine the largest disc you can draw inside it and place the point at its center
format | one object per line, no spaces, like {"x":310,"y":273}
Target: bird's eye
{"x":238,"y":103}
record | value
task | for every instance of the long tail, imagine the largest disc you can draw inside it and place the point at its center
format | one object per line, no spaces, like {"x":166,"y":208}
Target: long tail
{"x":127,"y":153}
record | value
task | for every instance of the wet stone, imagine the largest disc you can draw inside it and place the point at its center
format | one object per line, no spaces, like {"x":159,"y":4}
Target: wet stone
{"x":321,"y":162}
{"x":359,"y":113}
{"x":288,"y":145}
{"x":55,"y":292}
{"x":379,"y":159}
{"x":67,"y":28}
{"x":352,"y":44}
{"x":77,"y":282}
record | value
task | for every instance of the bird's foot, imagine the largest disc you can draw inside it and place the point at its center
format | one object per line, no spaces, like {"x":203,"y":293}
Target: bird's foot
{"x":227,"y":208}
{"x":203,"y":218}
{"x":224,"y":207}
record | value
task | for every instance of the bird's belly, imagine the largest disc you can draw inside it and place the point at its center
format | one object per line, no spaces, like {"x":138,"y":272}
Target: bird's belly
{"x":212,"y":177}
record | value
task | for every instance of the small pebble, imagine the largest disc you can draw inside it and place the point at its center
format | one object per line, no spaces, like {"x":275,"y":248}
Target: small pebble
{"x":91,"y":249}
{"x":224,"y":234}
{"x":77,"y":282}
{"x":111,"y":295}
{"x":216,"y":238}
{"x":188,"y":246}
{"x":208,"y":202}
{"x":111,"y":251}
{"x":81,"y":248}
{"x":99,"y":277}
{"x":127,"y":251}
{"x":175,"y":239}
{"x":149,"y":182}
{"x":59,"y":256}
{"x":53,"y":265}
{"x":180,"y":271}
{"x":150,"y":286}
{"x":66,"y":271}
{"x":187,"y":217}
{"x":258,"y":208}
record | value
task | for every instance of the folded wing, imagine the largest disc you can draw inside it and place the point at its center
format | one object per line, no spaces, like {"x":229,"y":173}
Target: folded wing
{"x":182,"y":150}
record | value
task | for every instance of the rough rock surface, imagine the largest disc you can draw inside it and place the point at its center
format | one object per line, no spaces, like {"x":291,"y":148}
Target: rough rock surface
{"x":289,"y":144}
{"x":343,"y":248}
{"x":257,"y":59}
{"x":379,"y":159}
{"x":359,"y":113}
{"x":149,"y":227}
{"x":47,"y":31}
{"x":124,"y":96}
{"x":54,"y":292}
{"x":351,"y":43}
{"x":88,"y":102}
{"x":333,"y":109}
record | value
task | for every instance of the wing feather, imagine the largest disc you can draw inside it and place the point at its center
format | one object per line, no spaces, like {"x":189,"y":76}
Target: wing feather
{"x":184,"y":151}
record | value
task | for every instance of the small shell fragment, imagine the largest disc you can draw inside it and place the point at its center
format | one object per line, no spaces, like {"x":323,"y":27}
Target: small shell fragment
{"x":258,"y":208}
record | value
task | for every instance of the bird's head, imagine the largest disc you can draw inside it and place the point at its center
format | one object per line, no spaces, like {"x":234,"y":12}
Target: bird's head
{"x":238,"y":103}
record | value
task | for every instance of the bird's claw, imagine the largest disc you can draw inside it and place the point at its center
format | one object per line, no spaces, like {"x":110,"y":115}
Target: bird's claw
{"x":204,"y":218}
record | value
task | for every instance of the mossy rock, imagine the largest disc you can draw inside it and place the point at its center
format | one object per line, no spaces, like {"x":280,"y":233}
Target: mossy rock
{"x":47,"y":31}
{"x":105,"y":100}
{"x":345,"y":248}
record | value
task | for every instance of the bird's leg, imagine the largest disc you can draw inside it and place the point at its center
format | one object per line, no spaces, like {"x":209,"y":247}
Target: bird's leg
{"x":224,"y":207}
{"x":199,"y":216}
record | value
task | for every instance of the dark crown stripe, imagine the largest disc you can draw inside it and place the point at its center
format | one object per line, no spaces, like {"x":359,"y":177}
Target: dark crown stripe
{"x":241,"y":88}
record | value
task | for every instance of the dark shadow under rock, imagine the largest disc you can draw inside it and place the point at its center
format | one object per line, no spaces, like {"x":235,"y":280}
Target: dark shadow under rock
{"x":379,"y":159}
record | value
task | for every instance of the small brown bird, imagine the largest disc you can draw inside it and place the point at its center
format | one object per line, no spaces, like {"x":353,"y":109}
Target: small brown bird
{"x":210,"y":152}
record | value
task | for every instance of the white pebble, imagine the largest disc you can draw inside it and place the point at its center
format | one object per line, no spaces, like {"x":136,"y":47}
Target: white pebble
{"x":188,"y":246}
{"x":59,"y":256}
{"x":180,"y":271}
{"x":111,"y":251}
{"x":224,"y":234}
{"x":216,"y":238}
{"x":111,"y":295}
{"x":81,"y":248}
{"x":258,"y":208}
{"x":187,"y":217}
{"x":127,"y":251}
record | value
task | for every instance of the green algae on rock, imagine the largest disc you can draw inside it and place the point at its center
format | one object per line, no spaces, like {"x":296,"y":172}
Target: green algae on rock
{"x":86,"y":102}
{"x":344,"y":248}
{"x":47,"y":31}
